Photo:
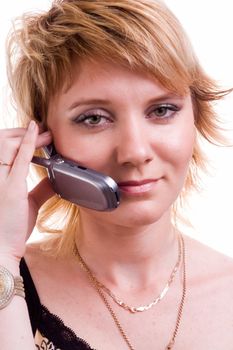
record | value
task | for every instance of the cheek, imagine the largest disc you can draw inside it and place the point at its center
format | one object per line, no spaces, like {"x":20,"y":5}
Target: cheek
{"x":183,"y":145}
{"x":86,"y":150}
{"x":178,"y":147}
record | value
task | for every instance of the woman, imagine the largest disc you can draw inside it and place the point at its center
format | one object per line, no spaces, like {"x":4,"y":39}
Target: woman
{"x":116,"y":87}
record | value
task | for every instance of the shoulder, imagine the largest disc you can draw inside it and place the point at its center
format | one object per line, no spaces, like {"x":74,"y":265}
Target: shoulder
{"x":207,"y":262}
{"x":209,"y":303}
{"x":210,"y":278}
{"x":42,"y":256}
{"x":47,"y":269}
{"x":39,"y":254}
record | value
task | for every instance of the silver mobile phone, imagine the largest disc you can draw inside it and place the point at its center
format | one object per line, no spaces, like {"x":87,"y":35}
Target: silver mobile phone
{"x":77,"y":184}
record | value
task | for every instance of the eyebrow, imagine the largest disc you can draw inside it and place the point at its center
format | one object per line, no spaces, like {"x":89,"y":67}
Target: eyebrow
{"x":158,"y":99}
{"x":86,"y":102}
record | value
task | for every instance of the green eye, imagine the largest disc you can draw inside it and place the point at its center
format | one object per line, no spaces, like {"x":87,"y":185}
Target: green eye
{"x":94,"y":119}
{"x":161,"y":111}
{"x":164,"y":111}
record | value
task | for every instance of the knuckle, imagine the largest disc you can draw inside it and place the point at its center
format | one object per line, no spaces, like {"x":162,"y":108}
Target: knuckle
{"x":9,"y":144}
{"x":9,"y":148}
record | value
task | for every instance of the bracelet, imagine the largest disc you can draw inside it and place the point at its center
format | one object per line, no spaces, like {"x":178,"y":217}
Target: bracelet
{"x":9,"y":287}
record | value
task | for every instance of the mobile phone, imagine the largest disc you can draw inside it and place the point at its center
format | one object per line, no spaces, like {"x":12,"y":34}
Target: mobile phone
{"x":77,"y":184}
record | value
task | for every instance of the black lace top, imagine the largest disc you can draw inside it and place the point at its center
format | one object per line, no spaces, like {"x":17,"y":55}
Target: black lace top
{"x":49,"y":330}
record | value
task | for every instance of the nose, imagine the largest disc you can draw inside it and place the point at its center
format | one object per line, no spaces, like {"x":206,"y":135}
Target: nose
{"x":134,"y":146}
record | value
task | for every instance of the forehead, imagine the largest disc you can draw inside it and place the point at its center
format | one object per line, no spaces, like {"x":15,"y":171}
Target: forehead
{"x":108,"y":84}
{"x":104,"y":78}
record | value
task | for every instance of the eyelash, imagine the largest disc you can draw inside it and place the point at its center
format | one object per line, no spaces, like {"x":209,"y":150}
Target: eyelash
{"x":167,"y":107}
{"x":85,"y":118}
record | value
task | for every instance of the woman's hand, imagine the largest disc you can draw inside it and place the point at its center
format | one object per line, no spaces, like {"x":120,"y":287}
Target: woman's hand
{"x":18,"y":208}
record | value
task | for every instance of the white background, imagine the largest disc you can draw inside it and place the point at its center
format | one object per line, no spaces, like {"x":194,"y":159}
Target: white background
{"x":209,"y":25}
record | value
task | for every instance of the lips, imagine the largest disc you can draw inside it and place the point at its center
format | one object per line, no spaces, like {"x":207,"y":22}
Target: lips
{"x":136,"y":183}
{"x":137,"y":187}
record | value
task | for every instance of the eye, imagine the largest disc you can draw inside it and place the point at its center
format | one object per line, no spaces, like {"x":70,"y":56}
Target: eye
{"x":164,"y":111}
{"x":92,"y":119}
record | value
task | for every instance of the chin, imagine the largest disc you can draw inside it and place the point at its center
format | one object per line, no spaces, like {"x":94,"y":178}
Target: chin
{"x":132,"y":214}
{"x":142,"y":215}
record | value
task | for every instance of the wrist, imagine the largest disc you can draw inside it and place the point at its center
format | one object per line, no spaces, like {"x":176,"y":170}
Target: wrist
{"x":10,"y":263}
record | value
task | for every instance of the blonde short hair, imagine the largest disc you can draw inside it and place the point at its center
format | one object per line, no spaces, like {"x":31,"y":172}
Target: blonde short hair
{"x":142,"y":35}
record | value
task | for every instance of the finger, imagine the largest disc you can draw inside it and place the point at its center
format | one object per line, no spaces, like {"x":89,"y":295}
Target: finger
{"x":14,"y":139}
{"x":4,"y":172}
{"x":19,"y":132}
{"x":12,"y":132}
{"x":44,"y":139}
{"x":9,"y":146}
{"x":20,"y":168}
{"x":8,"y":149}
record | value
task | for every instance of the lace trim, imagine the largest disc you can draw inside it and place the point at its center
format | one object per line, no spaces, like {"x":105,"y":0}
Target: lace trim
{"x":46,"y":344}
{"x":60,"y":336}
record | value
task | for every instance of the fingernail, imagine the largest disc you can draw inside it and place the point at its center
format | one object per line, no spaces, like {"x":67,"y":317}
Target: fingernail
{"x":32,"y":125}
{"x":46,"y":134}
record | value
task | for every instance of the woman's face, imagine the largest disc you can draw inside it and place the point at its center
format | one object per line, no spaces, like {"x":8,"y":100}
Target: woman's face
{"x":125,"y":125}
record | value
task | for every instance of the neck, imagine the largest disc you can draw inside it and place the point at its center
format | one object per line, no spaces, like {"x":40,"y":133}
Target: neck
{"x":128,"y":256}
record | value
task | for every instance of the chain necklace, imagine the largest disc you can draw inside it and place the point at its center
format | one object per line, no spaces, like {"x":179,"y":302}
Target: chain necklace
{"x":142,"y":308}
{"x":100,"y":291}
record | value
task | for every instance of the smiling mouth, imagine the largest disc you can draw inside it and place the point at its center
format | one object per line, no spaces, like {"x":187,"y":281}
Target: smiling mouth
{"x":137,"y":187}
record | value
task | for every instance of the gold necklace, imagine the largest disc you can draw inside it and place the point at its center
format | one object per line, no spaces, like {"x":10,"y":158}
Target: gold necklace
{"x":134,"y":309}
{"x":115,"y":318}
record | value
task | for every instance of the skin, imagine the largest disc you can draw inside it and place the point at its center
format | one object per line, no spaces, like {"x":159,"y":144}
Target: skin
{"x":130,"y":141}
{"x":132,"y":249}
